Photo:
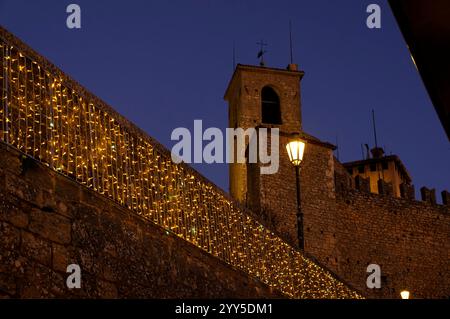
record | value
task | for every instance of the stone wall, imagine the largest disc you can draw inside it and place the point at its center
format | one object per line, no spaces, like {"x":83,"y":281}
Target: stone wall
{"x":345,"y":227}
{"x":76,"y":134}
{"x":48,"y":221}
{"x":408,"y":239}
{"x":274,"y":195}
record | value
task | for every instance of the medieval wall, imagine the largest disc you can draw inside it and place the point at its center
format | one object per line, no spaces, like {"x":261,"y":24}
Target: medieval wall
{"x":54,"y":121}
{"x":409,"y":240}
{"x":48,"y":221}
{"x":347,"y":229}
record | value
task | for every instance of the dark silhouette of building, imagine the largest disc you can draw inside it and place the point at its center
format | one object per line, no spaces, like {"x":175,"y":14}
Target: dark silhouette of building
{"x":426,"y":29}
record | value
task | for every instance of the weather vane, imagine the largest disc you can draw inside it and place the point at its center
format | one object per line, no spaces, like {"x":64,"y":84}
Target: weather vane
{"x":261,"y":52}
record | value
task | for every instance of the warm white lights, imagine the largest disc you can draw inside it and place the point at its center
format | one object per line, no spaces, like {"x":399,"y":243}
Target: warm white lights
{"x":48,"y":117}
{"x":405,"y":294}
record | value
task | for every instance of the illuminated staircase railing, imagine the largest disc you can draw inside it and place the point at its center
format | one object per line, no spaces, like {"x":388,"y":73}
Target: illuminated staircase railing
{"x":46,"y":115}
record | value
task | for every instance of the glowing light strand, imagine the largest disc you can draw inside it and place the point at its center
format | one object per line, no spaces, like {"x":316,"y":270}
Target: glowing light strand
{"x":42,"y":116}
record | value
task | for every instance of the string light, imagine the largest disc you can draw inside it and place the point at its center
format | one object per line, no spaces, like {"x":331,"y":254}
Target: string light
{"x":45,"y":116}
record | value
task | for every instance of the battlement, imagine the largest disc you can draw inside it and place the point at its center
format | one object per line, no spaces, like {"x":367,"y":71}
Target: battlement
{"x":344,"y":183}
{"x":407,"y":238}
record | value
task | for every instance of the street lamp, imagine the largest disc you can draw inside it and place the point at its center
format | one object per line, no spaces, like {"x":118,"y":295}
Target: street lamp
{"x":295,"y":149}
{"x":405,"y":294}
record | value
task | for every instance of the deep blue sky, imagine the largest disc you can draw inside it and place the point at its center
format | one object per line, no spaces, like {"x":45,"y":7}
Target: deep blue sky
{"x":164,"y":63}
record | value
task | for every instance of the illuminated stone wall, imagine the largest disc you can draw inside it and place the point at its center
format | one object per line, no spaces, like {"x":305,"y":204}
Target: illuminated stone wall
{"x":409,"y":239}
{"x":344,"y":229}
{"x":50,"y":118}
{"x":48,"y":221}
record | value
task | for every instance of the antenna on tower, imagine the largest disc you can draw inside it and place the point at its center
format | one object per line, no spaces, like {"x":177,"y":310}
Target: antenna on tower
{"x":234,"y":55}
{"x":290,"y":43}
{"x":367,"y":151}
{"x":374,"y":128}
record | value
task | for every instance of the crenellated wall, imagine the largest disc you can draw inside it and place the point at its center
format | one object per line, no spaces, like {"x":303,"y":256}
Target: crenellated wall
{"x":408,"y":239}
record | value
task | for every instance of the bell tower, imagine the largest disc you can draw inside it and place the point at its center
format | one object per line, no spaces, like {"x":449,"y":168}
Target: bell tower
{"x":262,"y":97}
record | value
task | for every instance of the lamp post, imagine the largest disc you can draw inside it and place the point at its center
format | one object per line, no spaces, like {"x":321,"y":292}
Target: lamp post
{"x":295,"y":149}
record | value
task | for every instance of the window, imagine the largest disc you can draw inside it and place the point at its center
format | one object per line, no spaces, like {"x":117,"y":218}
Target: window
{"x":361,"y":169}
{"x":385,"y":165}
{"x":270,"y":106}
{"x":373,"y":167}
{"x":350,"y":171}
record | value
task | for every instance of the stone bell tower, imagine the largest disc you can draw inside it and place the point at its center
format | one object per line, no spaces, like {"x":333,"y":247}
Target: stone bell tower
{"x":262,"y":97}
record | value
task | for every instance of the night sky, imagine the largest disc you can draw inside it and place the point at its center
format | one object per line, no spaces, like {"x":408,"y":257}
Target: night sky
{"x":163,"y":64}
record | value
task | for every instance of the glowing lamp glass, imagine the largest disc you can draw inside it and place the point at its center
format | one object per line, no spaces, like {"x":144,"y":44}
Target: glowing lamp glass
{"x":295,"y":151}
{"x":405,"y":294}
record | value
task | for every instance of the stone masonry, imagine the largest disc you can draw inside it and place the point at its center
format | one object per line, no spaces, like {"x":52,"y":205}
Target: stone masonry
{"x":346,"y":228}
{"x":48,"y":221}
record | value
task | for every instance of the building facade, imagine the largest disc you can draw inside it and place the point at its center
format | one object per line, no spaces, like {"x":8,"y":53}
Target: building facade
{"x":355,"y":214}
{"x":81,"y":184}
